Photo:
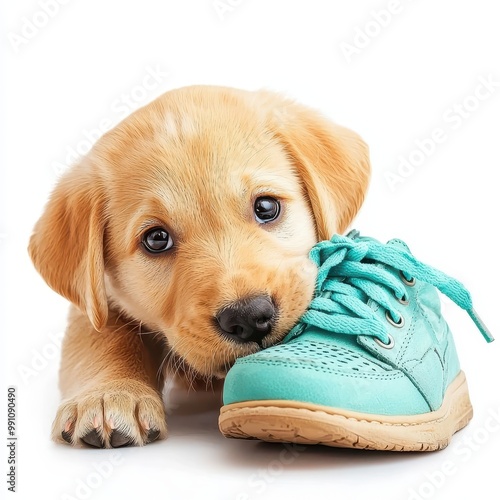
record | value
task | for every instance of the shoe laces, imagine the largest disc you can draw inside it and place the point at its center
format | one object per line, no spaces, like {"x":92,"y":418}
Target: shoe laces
{"x":350,"y":280}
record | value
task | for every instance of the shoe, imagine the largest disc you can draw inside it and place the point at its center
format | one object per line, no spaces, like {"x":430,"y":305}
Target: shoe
{"x":371,"y":364}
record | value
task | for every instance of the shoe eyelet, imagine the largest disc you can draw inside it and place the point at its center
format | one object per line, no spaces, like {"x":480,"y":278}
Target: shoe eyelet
{"x":410,"y":282}
{"x":389,"y":345}
{"x":399,"y":324}
{"x":404,"y":300}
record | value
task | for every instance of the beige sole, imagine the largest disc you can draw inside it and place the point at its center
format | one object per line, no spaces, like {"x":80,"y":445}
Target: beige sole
{"x":304,"y":423}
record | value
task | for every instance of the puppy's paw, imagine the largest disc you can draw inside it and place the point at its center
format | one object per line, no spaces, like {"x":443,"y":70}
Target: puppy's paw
{"x":111,"y":415}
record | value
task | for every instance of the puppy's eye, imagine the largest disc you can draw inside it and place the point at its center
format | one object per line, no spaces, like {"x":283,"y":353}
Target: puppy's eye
{"x":157,"y":240}
{"x":266,"y":209}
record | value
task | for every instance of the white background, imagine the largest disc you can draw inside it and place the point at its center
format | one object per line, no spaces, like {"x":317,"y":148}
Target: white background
{"x":59,"y":86}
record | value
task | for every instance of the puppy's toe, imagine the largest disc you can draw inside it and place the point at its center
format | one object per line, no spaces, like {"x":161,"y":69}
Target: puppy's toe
{"x":66,"y":436}
{"x":93,"y":438}
{"x":118,"y":439}
{"x":153,"y":435}
{"x":63,"y":428}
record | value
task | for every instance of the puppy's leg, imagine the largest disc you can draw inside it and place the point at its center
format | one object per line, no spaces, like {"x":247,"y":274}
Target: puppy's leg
{"x":110,"y":388}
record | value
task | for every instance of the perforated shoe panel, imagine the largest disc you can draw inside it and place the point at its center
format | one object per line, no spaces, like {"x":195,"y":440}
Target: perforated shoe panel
{"x":322,"y":357}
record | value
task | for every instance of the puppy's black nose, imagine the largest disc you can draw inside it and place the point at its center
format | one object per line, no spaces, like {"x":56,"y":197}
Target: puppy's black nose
{"x":247,"y":320}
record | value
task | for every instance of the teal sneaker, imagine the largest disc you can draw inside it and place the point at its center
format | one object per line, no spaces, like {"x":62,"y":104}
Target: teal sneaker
{"x":371,"y":364}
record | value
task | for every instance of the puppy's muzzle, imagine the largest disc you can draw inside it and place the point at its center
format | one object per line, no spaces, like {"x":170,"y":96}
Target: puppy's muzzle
{"x":247,"y":320}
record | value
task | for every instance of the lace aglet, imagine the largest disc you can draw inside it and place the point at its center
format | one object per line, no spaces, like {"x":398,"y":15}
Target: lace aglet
{"x":481,"y":326}
{"x":353,"y":233}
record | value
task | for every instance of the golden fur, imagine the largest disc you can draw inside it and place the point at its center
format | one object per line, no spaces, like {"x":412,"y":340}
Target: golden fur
{"x":192,"y":161}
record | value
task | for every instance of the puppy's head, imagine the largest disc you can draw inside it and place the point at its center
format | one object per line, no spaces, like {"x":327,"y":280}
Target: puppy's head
{"x":195,"y":217}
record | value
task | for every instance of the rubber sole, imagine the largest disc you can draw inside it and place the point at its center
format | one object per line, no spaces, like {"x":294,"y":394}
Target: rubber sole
{"x":304,"y":423}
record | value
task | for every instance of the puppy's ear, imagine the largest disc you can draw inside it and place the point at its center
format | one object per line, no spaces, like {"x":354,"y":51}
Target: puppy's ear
{"x":67,"y":243}
{"x":332,"y":161}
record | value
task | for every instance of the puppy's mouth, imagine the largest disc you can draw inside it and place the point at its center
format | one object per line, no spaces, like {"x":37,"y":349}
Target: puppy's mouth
{"x":235,"y":350}
{"x":239,"y":330}
{"x":242,"y":340}
{"x":242,"y":349}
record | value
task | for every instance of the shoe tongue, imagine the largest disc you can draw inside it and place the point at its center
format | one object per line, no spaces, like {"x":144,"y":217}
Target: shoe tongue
{"x":356,"y":236}
{"x":395,"y":242}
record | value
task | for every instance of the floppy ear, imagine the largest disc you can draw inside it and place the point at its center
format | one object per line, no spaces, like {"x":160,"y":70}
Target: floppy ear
{"x":67,"y":243}
{"x":332,"y":161}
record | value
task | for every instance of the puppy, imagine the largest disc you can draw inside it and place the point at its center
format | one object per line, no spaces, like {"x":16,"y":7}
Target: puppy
{"x":181,"y":240}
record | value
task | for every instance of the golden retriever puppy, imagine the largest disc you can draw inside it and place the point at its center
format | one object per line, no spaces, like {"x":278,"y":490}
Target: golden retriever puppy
{"x":181,"y":240}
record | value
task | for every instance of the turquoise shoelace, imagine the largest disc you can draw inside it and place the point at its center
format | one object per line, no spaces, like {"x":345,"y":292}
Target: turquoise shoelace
{"x":349,"y":277}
